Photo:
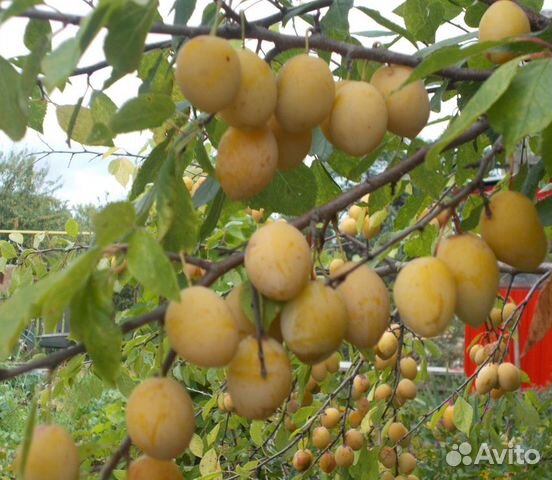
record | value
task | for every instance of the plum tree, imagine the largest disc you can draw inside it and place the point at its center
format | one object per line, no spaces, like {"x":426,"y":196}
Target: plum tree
{"x":407,"y":106}
{"x":246,"y":161}
{"x":208,"y":72}
{"x":425,"y":294}
{"x":147,"y":468}
{"x":160,"y":418}
{"x":255,"y":101}
{"x":211,"y":343}
{"x":52,"y":455}
{"x":314,"y":323}
{"x":305,"y":93}
{"x":256,"y":396}
{"x":475,"y":270}
{"x":277,"y":261}
{"x":511,"y":227}
{"x":501,"y":20}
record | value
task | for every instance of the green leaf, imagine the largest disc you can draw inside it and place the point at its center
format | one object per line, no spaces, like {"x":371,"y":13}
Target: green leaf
{"x":122,"y":169}
{"x":291,"y":193}
{"x":113,"y":222}
{"x":156,"y":72}
{"x":148,"y":110}
{"x":13,"y":104}
{"x":37,"y":40}
{"x":546,"y":149}
{"x":103,"y":108}
{"x":149,"y":170}
{"x":209,"y":464}
{"x":423,"y":17}
{"x":337,"y":18}
{"x":544,"y":208}
{"x":213,"y":213}
{"x":428,"y":180}
{"x":127,"y":31}
{"x":37,"y":111}
{"x":27,"y":440}
{"x":203,"y":159}
{"x":268,"y":309}
{"x":256,"y":432}
{"x":196,"y":445}
{"x":493,"y":88}
{"x":531,"y":183}
{"x":92,"y":322}
{"x":148,"y":263}
{"x":183,"y":10}
{"x":377,"y":17}
{"x":61,"y":63}
{"x":419,"y":243}
{"x":526,"y":107}
{"x":525,"y":414}
{"x":78,"y":122}
{"x":463,"y":415}
{"x":7,"y":250}
{"x":326,"y":187}
{"x":177,"y":218}
{"x":474,"y":13}
{"x":72,"y":228}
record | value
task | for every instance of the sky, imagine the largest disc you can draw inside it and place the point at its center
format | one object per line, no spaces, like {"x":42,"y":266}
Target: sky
{"x":85,"y":177}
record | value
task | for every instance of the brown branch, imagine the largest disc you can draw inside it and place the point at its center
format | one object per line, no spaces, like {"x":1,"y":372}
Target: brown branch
{"x":284,"y":42}
{"x":115,"y":458}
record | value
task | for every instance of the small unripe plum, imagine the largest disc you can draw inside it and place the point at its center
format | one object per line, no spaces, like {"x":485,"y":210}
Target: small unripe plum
{"x":278,"y":261}
{"x":509,"y":377}
{"x":327,"y":462}
{"x":147,"y":468}
{"x":254,"y":396}
{"x":293,"y":406}
{"x":348,"y":226}
{"x":302,"y":460}
{"x":305,"y":93}
{"x":448,"y":418}
{"x":407,"y":463}
{"x":332,"y":362}
{"x":486,"y":379}
{"x":330,"y":417}
{"x":289,"y":424}
{"x":474,"y":351}
{"x":383,"y":392}
{"x":354,"y":439}
{"x":508,"y":310}
{"x":381,"y":364}
{"x":292,"y":147}
{"x":475,"y":270}
{"x":363,"y":405}
{"x":344,"y":456}
{"x":160,"y":418}
{"x":52,"y":455}
{"x":335,"y":265}
{"x":314,"y":322}
{"x":321,"y":437}
{"x":208,"y":72}
{"x":201,"y":328}
{"x":387,"y":457}
{"x":368,"y":305}
{"x":514,"y":230}
{"x":361,"y":383}
{"x":409,"y":368}
{"x":503,"y":19}
{"x":408,"y":107}
{"x":246,"y":161}
{"x":227,"y":402}
{"x":387,"y":345}
{"x":358,"y":119}
{"x":396,"y":431}
{"x":319,"y":371}
{"x":425,"y":294}
{"x":256,"y":99}
{"x":369,"y":228}
{"x":406,"y":389}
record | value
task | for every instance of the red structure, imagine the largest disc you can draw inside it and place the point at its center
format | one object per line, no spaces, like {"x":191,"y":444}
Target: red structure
{"x":537,"y":363}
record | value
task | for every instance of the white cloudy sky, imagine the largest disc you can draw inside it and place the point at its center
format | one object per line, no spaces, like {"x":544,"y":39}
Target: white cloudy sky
{"x":86,"y":179}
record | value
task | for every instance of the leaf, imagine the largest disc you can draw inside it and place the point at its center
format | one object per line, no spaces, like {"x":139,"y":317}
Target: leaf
{"x":326,"y":187}
{"x":61,"y":63}
{"x":92,"y":322}
{"x":72,"y":228}
{"x":148,"y":110}
{"x":213,"y":434}
{"x":544,"y":209}
{"x":203,"y":159}
{"x":148,"y":263}
{"x":13,"y":104}
{"x":103,"y":108}
{"x":377,"y":17}
{"x":206,"y":192}
{"x":213,"y":214}
{"x":422,"y":18}
{"x":491,"y":90}
{"x":27,"y":440}
{"x":268,"y":309}
{"x":463,"y":415}
{"x":149,"y":170}
{"x":177,"y":218}
{"x":546,"y":149}
{"x":16,"y":7}
{"x":209,"y":463}
{"x":113,"y":222}
{"x":419,"y":243}
{"x":78,"y":122}
{"x":337,"y":18}
{"x":290,"y":193}
{"x":127,"y":31}
{"x":16,"y":237}
{"x":156,"y":72}
{"x":7,"y":250}
{"x":37,"y":40}
{"x":256,"y":432}
{"x":183,"y":10}
{"x":525,"y":414}
{"x":196,"y":445}
{"x":122,"y":169}
{"x":526,"y":107}
{"x":542,"y":319}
